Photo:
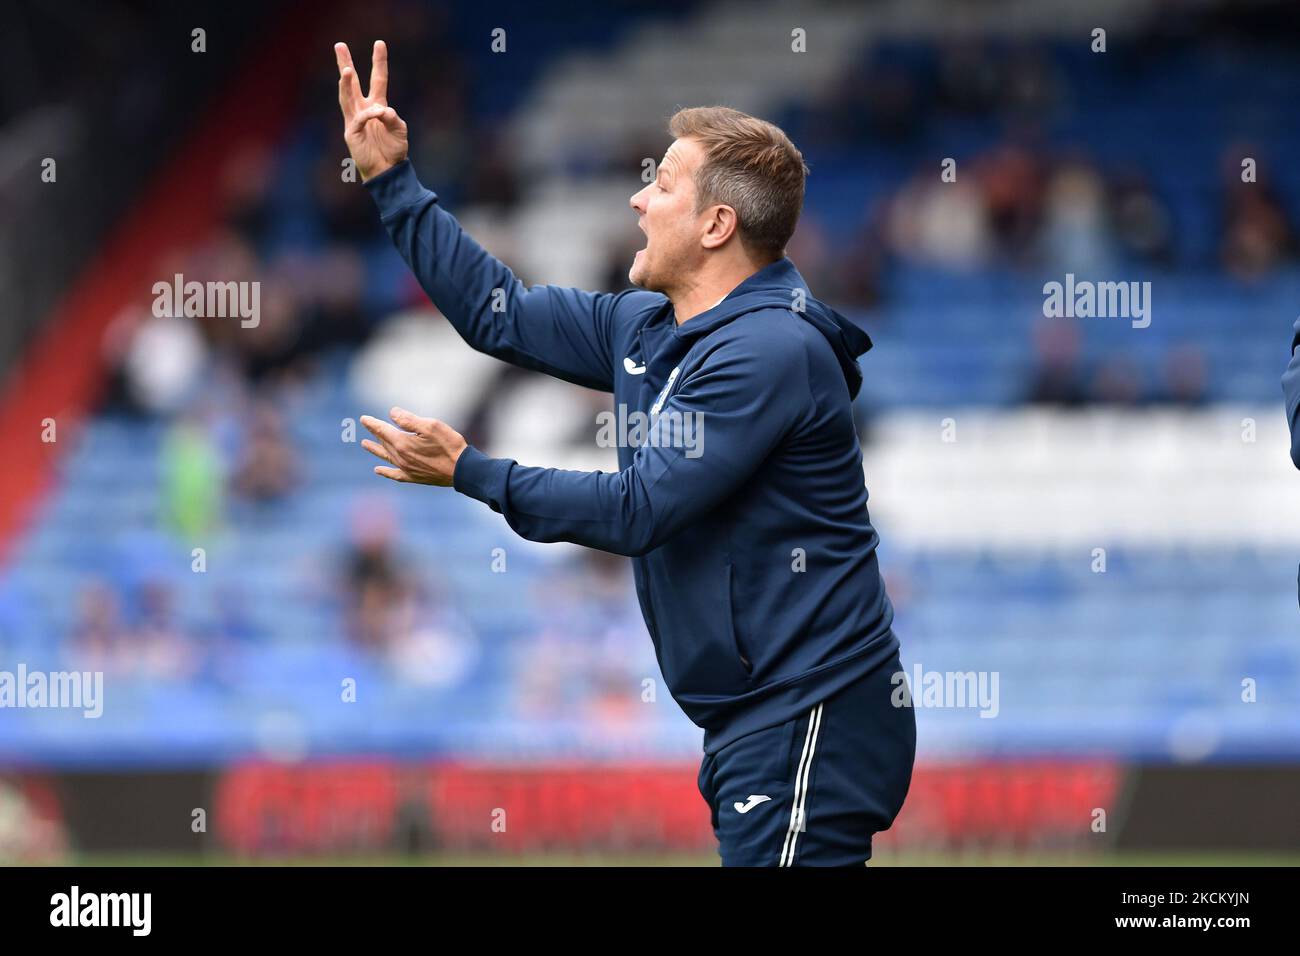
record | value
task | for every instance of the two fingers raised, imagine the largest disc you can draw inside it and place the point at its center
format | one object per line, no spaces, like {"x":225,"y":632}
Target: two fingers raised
{"x":351,"y":100}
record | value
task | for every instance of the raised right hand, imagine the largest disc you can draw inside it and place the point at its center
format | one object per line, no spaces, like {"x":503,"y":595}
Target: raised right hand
{"x":375,"y":134}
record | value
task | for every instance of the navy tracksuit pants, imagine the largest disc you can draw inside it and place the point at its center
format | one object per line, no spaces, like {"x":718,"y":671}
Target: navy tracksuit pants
{"x":814,"y":790}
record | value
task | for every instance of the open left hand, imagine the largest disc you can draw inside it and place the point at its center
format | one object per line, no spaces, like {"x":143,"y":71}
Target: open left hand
{"x":419,"y":450}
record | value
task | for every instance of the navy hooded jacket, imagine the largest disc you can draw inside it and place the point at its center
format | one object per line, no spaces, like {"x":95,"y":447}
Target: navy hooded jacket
{"x":753,"y":553}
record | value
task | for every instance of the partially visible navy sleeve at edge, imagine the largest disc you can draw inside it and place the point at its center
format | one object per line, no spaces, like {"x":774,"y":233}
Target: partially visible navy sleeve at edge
{"x":1291,"y":389}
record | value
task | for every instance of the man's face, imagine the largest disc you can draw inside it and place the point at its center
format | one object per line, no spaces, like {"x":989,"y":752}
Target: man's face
{"x":666,"y":214}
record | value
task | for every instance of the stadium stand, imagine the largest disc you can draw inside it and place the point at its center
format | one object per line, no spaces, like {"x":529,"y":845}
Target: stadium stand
{"x":990,"y":537}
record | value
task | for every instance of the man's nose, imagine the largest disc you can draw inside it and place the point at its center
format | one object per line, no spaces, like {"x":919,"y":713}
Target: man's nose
{"x":635,"y":201}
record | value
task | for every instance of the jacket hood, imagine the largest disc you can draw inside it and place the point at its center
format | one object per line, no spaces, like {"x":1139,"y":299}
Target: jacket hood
{"x":773,"y":287}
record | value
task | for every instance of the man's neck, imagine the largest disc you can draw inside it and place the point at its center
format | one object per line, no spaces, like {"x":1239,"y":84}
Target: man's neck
{"x":710,"y":292}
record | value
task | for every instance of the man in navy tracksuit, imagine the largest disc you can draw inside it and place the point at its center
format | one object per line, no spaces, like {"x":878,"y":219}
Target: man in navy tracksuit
{"x":753,"y":553}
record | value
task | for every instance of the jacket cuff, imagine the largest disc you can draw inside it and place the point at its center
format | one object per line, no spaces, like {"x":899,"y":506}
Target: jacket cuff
{"x":396,"y":188}
{"x":481,"y":477}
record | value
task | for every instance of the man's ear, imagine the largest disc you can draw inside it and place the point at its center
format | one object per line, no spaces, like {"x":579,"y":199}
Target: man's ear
{"x":720,"y":226}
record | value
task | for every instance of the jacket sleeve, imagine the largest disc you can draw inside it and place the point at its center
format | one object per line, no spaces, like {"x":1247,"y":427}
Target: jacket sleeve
{"x":1291,"y":389}
{"x":726,"y":417}
{"x":567,"y":333}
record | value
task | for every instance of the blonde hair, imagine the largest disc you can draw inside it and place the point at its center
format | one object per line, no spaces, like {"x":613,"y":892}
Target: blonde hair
{"x":751,"y":166}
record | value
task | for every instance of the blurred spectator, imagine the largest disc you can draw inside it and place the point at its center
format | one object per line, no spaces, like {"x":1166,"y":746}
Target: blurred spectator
{"x":154,"y":363}
{"x":98,"y":631}
{"x":411,"y":628}
{"x":268,"y":468}
{"x":940,"y":223}
{"x":1142,"y":223}
{"x":330,"y":288}
{"x":1012,"y":182}
{"x":1118,"y":381}
{"x":192,"y":477}
{"x":1257,"y":233}
{"x":1185,"y":376}
{"x":152,"y":648}
{"x":158,"y":647}
{"x":271,"y":349}
{"x":1057,"y":377}
{"x":1075,"y":228}
{"x":374,"y":579}
{"x":245,"y":187}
